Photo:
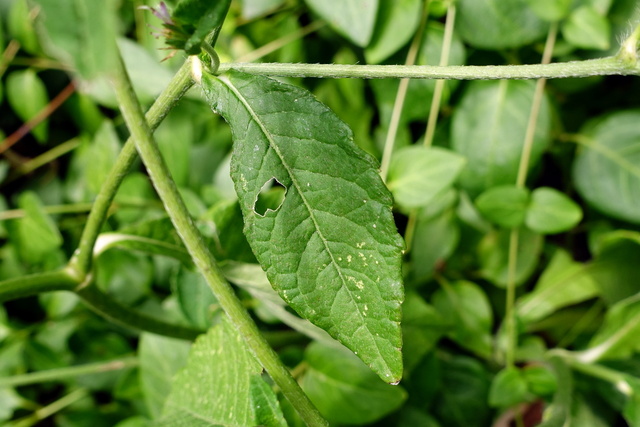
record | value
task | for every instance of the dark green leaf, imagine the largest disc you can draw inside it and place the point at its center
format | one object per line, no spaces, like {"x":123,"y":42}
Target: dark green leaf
{"x":498,"y":24}
{"x":552,"y":212}
{"x":422,"y":327}
{"x":417,"y":174}
{"x":331,"y":250}
{"x":265,"y":404}
{"x":215,"y":386}
{"x":494,"y":256}
{"x":564,"y":282}
{"x":27,"y":96}
{"x":160,"y":359}
{"x":353,"y":19}
{"x":541,"y":381}
{"x":606,"y":169}
{"x":344,"y":390}
{"x":434,"y":240}
{"x":489,"y":129}
{"x":466,"y":307}
{"x":397,"y":21}
{"x":508,"y":388}
{"x":615,"y":271}
{"x":587,"y":29}
{"x":504,"y":205}
{"x":87,"y":41}
{"x":193,"y":20}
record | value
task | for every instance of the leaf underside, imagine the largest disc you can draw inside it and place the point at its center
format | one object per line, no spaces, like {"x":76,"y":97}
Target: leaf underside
{"x":331,"y":249}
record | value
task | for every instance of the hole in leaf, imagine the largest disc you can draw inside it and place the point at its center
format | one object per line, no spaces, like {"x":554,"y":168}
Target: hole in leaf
{"x":270,"y":198}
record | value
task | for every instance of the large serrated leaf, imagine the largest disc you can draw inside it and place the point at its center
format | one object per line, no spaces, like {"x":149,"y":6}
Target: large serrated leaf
{"x":331,"y":249}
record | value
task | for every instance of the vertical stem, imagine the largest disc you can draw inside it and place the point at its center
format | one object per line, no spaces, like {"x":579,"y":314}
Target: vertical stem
{"x":390,"y":141}
{"x":444,"y":60}
{"x":523,"y":168}
{"x":190,"y":235}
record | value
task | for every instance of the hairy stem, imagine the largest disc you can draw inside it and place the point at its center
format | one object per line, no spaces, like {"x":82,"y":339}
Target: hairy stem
{"x":182,"y":221}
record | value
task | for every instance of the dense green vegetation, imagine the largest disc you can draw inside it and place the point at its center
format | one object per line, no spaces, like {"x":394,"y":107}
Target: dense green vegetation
{"x":319,"y":249}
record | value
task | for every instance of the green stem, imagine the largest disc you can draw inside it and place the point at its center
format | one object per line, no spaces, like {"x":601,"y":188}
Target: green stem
{"x":510,"y":320}
{"x":70,"y":372}
{"x":593,"y":67}
{"x":81,"y":260}
{"x":182,"y":221}
{"x":49,"y":156}
{"x":617,"y":378}
{"x":20,"y":287}
{"x":111,"y":310}
{"x":51,"y":409}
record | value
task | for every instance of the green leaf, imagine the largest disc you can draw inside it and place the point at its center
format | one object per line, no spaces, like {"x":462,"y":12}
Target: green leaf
{"x":160,"y":359}
{"x":344,"y":390}
{"x":606,"y":170}
{"x":197,"y":302}
{"x":541,"y":381}
{"x":215,"y":386}
{"x":493,"y":253}
{"x":617,"y":338}
{"x":551,"y":10}
{"x":504,"y":205}
{"x":467,"y":308}
{"x":127,"y":276}
{"x":587,"y":29}
{"x":417,"y":174}
{"x":508,"y":388}
{"x":422,"y":327}
{"x":254,"y":8}
{"x":27,"y":96}
{"x":631,"y":411}
{"x":552,"y":212}
{"x":20,"y":26}
{"x":9,"y":402}
{"x":564,"y":282}
{"x":88,"y":43}
{"x":193,"y":20}
{"x":615,"y":270}
{"x":331,"y":250}
{"x":264,"y":403}
{"x":37,"y":234}
{"x":498,"y":24}
{"x":397,"y":21}
{"x":354,"y":19}
{"x":489,"y":129}
{"x":434,"y":240}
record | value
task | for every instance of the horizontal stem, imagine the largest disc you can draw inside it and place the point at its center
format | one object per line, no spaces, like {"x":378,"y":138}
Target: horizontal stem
{"x":593,"y":67}
{"x":69,"y":372}
{"x":34,"y":284}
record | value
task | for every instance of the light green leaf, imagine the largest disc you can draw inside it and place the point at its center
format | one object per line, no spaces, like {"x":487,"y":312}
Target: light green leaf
{"x":9,"y":402}
{"x":20,"y":26}
{"x":127,"y":276}
{"x":197,"y":302}
{"x":354,"y":19}
{"x":215,"y":386}
{"x":498,"y":24}
{"x":587,"y":29}
{"x":504,"y":205}
{"x":489,"y":129}
{"x":36,"y":232}
{"x":617,"y":338}
{"x":397,"y":21}
{"x":467,"y":308}
{"x":417,"y":174}
{"x":508,"y":388}
{"x":331,"y":250}
{"x":254,"y":8}
{"x":264,"y":403}
{"x":493,"y":253}
{"x":606,"y":170}
{"x":87,"y":45}
{"x":160,"y":359}
{"x":27,"y":96}
{"x":631,"y":409}
{"x":564,"y":282}
{"x":551,"y":10}
{"x":552,"y":212}
{"x":174,"y":137}
{"x":344,"y":390}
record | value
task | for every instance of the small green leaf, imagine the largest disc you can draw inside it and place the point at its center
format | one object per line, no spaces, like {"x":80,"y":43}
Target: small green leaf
{"x":587,"y":29}
{"x":127,"y":276}
{"x":504,"y":205}
{"x":20,"y":26}
{"x":88,"y":45}
{"x":27,"y":96}
{"x":541,"y":381}
{"x":215,"y":386}
{"x":434,"y":240}
{"x":498,"y":24}
{"x":508,"y":388}
{"x":489,"y":129}
{"x":467,"y":308}
{"x":354,"y":19}
{"x":615,"y":270}
{"x":264,"y":403}
{"x":494,"y":255}
{"x":564,"y":282}
{"x":631,"y":411}
{"x":197,"y":302}
{"x":552,"y":212}
{"x":37,"y":234}
{"x":331,"y":250}
{"x":417,"y":174}
{"x":551,"y":10}
{"x":192,"y":20}
{"x":160,"y":359}
{"x":254,"y":8}
{"x":397,"y":21}
{"x":606,"y":170}
{"x":344,"y":390}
